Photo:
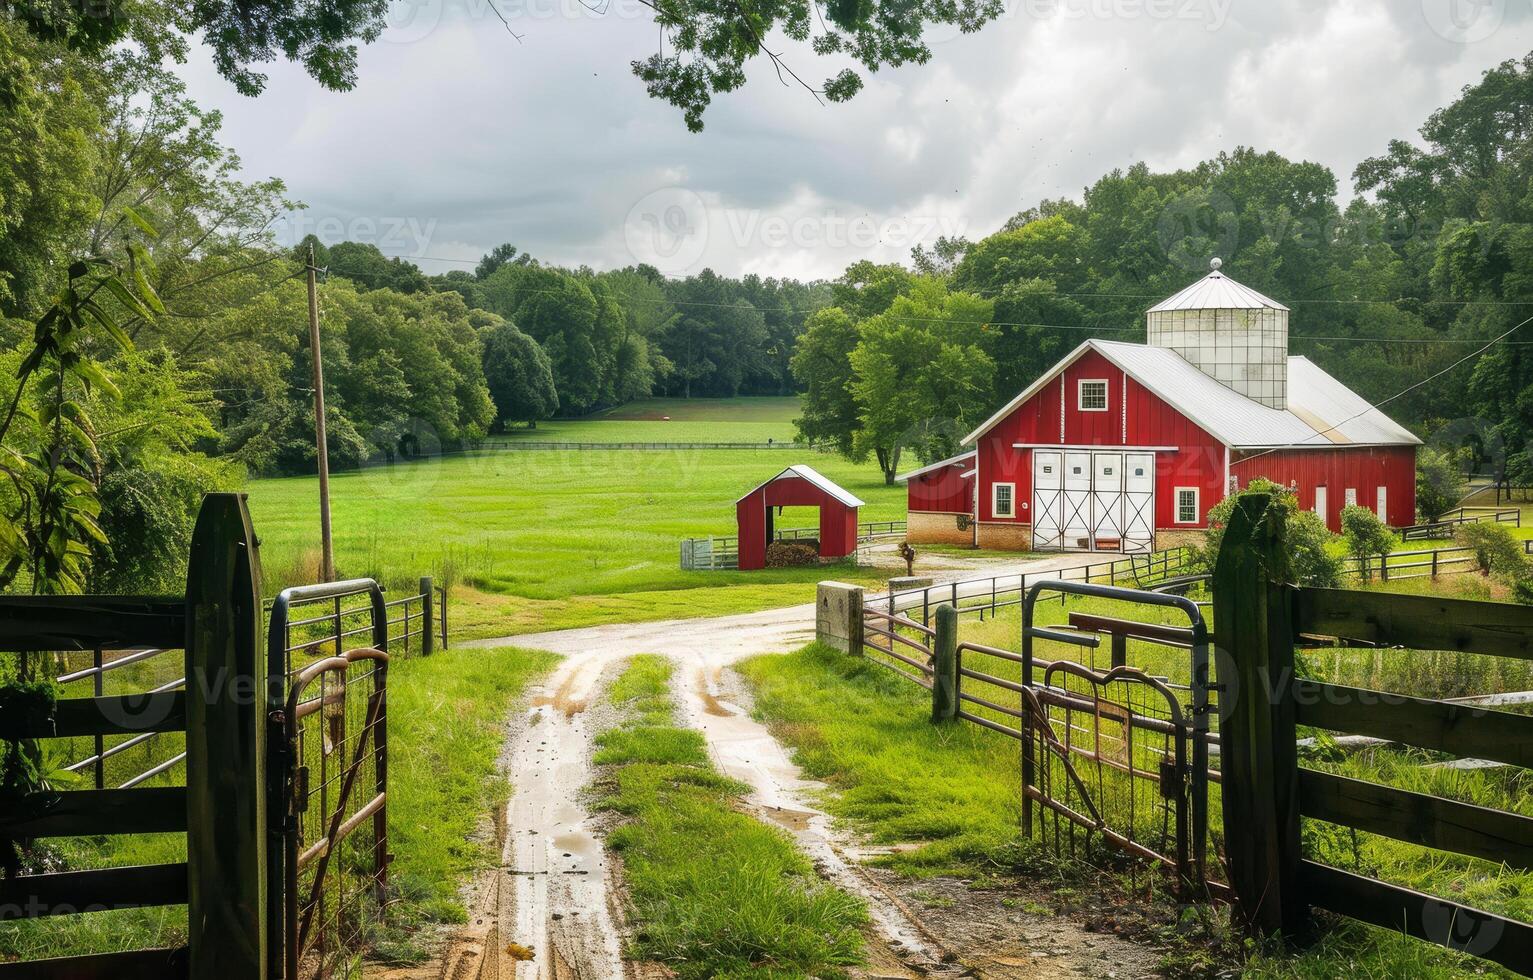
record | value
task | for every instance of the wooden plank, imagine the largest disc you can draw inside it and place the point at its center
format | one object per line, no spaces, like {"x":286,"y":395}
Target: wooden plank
{"x":1436,"y":920}
{"x":1418,"y":818}
{"x":1418,"y":622}
{"x":143,"y":964}
{"x":1464,"y":730}
{"x":128,"y":714}
{"x":86,"y":622}
{"x":89,"y":812}
{"x":229,"y":931}
{"x":74,"y":892}
{"x":1157,"y":632}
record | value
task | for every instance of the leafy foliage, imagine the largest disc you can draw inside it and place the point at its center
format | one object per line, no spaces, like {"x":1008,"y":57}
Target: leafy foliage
{"x":1306,"y":539}
{"x":519,"y":375}
{"x":1496,"y":550}
{"x":1440,"y":483}
{"x":1366,"y":536}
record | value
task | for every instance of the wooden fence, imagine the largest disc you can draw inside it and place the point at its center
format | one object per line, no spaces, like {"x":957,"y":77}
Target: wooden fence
{"x":1266,"y":794}
{"x":220,"y":808}
{"x":1445,"y":524}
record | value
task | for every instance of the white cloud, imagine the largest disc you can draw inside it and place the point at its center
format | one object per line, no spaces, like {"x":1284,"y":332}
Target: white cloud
{"x":465,"y":137}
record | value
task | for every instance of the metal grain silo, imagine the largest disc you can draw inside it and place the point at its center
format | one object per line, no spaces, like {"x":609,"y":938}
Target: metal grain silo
{"x":1230,"y":332}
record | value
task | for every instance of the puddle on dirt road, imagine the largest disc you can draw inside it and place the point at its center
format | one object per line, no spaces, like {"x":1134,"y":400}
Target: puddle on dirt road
{"x":554,"y":868}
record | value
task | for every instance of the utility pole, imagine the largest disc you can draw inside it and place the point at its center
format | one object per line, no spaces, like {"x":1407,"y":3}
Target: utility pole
{"x":320,"y":443}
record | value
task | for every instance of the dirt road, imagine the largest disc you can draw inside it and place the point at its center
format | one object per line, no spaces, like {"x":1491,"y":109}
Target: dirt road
{"x":554,"y":892}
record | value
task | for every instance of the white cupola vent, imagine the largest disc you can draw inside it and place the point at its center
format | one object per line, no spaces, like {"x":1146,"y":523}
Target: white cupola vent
{"x":1230,"y":332}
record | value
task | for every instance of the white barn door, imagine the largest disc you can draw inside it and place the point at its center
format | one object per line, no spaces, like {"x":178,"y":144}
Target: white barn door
{"x":1106,"y":501}
{"x":1138,"y":502}
{"x":1048,"y":500}
{"x":1077,"y":521}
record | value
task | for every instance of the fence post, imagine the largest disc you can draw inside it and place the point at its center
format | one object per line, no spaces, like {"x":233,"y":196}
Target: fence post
{"x":838,"y":617}
{"x":226,"y":846}
{"x":1258,"y":753}
{"x":945,"y":665}
{"x":1434,"y":562}
{"x":426,"y":618}
{"x":442,"y":615}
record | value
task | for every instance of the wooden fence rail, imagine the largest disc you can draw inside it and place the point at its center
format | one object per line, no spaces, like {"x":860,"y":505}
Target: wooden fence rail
{"x":1266,"y":793}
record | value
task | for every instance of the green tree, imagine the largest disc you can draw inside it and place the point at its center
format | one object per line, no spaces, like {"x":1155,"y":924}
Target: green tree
{"x":1366,"y":536}
{"x":920,"y":376}
{"x":520,"y":377}
{"x":822,"y":366}
{"x":1310,"y":560}
{"x":1440,"y":483}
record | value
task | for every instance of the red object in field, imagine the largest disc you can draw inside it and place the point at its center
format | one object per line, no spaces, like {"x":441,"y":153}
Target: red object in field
{"x":796,"y":486}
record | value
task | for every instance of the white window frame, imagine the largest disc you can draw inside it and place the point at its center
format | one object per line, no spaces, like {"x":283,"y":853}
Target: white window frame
{"x":1080,"y":394}
{"x":1349,"y":497}
{"x":1176,"y":504}
{"x":1011,"y":511}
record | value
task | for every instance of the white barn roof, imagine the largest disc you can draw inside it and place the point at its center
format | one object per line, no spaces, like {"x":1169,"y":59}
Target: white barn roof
{"x":1321,"y":410}
{"x":810,"y":474}
{"x":951,"y":461}
{"x":1216,"y":291}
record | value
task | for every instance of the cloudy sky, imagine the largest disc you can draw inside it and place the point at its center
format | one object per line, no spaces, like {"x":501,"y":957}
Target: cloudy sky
{"x":459,"y":136}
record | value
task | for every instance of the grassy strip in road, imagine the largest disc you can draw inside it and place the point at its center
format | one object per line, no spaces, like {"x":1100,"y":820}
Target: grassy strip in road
{"x":713,"y":892}
{"x":897,"y":779}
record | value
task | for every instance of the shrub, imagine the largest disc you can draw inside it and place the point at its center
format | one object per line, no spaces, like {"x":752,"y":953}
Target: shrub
{"x":792,"y":554}
{"x":1306,"y":538}
{"x":1496,"y":550}
{"x":1365,"y":535}
{"x":1309,"y":552}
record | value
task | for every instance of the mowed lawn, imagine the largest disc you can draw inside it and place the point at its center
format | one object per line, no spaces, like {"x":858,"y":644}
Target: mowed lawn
{"x":551,"y":539}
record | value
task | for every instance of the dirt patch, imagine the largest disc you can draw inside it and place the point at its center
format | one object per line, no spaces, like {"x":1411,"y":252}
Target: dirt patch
{"x":1015,"y":932}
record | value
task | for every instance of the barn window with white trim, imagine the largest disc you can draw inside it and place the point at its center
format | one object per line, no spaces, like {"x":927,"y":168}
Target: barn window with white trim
{"x":1187,"y":505}
{"x":1003,"y":499}
{"x":1093,"y":396}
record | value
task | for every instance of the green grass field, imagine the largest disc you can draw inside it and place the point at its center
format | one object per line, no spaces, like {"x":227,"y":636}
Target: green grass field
{"x":673,"y":420}
{"x":551,"y":539}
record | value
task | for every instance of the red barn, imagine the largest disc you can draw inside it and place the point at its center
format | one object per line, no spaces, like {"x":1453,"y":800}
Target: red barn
{"x":1126,"y":447}
{"x":939,"y":501}
{"x":796,"y":486}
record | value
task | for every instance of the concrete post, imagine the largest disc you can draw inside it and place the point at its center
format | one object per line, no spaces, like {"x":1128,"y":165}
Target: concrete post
{"x":838,"y":617}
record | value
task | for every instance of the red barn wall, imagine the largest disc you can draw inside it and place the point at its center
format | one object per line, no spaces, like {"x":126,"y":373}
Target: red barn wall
{"x":1134,"y":417}
{"x":1337,"y":468}
{"x":943,"y":491}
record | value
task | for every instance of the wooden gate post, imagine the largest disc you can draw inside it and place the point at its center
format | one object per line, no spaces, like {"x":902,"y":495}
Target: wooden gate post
{"x":945,"y":665}
{"x":427,"y":639}
{"x":1253,"y":629}
{"x":225,"y":747}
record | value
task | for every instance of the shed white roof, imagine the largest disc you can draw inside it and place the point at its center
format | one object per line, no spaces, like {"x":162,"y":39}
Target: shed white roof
{"x":1216,"y":291}
{"x":1321,"y":410}
{"x":813,"y":476}
{"x":960,"y":458}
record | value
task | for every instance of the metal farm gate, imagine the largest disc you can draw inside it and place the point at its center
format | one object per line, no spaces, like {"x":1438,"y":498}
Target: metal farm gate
{"x":284,"y":800}
{"x":1093,"y":500}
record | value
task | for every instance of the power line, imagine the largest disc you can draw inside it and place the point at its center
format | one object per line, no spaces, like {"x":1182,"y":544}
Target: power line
{"x":1404,"y":391}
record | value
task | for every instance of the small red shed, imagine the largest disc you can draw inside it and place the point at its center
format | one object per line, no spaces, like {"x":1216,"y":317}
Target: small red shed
{"x":796,"y":486}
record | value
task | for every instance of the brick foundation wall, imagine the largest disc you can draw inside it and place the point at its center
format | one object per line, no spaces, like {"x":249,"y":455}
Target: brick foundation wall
{"x":1180,"y":538}
{"x":932,"y":528}
{"x":1006,"y":537}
